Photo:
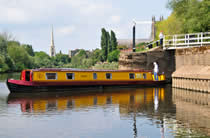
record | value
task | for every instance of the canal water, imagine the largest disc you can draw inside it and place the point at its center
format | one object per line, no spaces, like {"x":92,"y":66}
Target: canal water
{"x":104,"y":113}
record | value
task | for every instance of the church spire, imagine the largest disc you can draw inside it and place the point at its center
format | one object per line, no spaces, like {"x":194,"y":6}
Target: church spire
{"x":52,"y":38}
{"x":52,"y":46}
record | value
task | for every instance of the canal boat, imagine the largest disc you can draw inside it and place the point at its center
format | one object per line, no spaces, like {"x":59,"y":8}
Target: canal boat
{"x":51,"y":79}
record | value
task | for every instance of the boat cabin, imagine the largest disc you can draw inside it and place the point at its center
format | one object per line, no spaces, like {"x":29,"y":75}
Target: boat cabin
{"x":87,"y":75}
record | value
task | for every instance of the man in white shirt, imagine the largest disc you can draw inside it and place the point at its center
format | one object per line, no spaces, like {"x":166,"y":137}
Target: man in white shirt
{"x":155,"y":71}
{"x":161,"y":38}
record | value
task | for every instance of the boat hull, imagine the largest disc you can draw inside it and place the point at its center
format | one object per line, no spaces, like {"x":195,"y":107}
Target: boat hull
{"x":20,"y":86}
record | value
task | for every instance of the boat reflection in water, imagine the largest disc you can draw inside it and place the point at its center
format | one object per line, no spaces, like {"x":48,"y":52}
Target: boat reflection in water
{"x":130,"y":101}
{"x":167,"y":112}
{"x":43,"y":102}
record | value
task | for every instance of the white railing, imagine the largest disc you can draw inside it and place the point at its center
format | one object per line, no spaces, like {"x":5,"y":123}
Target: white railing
{"x":186,"y":40}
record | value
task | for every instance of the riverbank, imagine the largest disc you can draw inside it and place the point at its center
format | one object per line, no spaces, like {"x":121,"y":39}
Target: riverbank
{"x":5,"y":76}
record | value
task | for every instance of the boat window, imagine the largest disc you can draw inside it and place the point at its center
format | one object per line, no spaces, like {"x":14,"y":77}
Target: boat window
{"x":70,"y":76}
{"x":108,"y":75}
{"x":145,"y":76}
{"x":94,"y":76}
{"x":51,"y":76}
{"x":131,"y":75}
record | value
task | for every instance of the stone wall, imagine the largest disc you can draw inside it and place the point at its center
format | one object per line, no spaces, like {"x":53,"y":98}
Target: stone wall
{"x":144,"y":60}
{"x":192,"y":69}
{"x":193,"y":56}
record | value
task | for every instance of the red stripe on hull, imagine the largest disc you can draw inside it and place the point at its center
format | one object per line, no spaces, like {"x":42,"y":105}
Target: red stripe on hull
{"x":20,"y":86}
{"x":83,"y":83}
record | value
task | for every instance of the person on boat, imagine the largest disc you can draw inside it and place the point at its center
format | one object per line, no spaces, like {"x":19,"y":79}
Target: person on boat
{"x":155,"y":71}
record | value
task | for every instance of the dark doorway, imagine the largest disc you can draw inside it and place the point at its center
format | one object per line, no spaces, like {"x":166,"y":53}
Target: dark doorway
{"x":27,"y":75}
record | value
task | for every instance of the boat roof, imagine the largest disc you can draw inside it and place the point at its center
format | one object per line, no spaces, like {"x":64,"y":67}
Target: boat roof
{"x":88,"y":70}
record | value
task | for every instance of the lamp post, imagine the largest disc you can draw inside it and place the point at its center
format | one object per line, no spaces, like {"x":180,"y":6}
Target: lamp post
{"x":134,"y":31}
{"x":134,"y":37}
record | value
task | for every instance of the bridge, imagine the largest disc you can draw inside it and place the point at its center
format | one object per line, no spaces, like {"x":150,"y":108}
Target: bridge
{"x":180,"y":41}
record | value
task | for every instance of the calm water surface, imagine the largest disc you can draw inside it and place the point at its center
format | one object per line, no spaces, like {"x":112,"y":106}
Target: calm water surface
{"x":104,"y":113}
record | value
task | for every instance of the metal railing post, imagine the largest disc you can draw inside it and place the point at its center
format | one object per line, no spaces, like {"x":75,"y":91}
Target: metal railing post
{"x":173,"y":41}
{"x":201,"y":38}
{"x":186,"y":40}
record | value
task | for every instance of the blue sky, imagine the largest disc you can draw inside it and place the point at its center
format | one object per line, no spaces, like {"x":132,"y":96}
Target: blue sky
{"x":77,"y":23}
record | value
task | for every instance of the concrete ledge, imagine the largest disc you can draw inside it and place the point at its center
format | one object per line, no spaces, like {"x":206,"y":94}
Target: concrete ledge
{"x":193,"y":72}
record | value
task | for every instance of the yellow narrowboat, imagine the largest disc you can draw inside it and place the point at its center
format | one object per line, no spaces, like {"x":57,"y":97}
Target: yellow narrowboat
{"x":53,"y":78}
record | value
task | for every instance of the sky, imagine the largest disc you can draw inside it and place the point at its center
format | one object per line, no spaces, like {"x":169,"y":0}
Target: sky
{"x":76,"y":23}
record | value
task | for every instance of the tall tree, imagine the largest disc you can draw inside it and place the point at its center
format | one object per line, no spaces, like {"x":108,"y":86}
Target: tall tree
{"x":113,"y":41}
{"x":104,"y":44}
{"x":109,"y":46}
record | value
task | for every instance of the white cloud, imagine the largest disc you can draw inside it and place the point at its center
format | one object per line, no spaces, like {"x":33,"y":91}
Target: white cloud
{"x":115,"y":19}
{"x":23,"y":11}
{"x":95,"y":9}
{"x":66,"y":30}
{"x":12,"y":15}
{"x":88,"y":7}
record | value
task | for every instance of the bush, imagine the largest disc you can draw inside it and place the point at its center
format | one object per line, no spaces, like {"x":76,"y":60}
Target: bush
{"x":114,"y":56}
{"x":105,"y":65}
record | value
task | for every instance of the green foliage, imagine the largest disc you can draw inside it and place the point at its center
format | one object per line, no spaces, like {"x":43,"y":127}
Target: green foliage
{"x":96,"y":56}
{"x":113,"y":41}
{"x":170,"y":26}
{"x":108,"y":43}
{"x":82,"y":53}
{"x":13,"y":43}
{"x":114,"y":56}
{"x":42,"y":54}
{"x":109,"y":46}
{"x":3,"y":46}
{"x":1,"y":61}
{"x":106,"y":65}
{"x":104,"y":44}
{"x":63,"y":58}
{"x":42,"y":60}
{"x":84,"y":59}
{"x":77,"y":60}
{"x":3,"y":66}
{"x":190,"y":16}
{"x":20,"y":57}
{"x":29,"y":49}
{"x":10,"y":63}
{"x":6,"y":63}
